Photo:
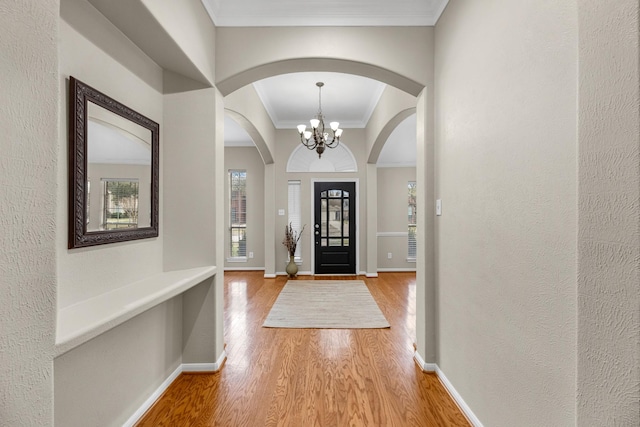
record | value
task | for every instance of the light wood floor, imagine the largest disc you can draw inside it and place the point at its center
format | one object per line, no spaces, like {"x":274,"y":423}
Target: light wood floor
{"x":311,"y":377}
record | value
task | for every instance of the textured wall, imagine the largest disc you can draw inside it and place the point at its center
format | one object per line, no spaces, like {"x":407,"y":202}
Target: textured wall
{"x":609,"y":214}
{"x":28,"y":165}
{"x":506,"y":173}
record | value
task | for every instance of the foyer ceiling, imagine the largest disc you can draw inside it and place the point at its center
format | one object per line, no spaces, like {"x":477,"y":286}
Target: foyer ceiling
{"x":292,"y":99}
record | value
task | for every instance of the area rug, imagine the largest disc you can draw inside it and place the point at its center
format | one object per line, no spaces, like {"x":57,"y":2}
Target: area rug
{"x":325,"y":304}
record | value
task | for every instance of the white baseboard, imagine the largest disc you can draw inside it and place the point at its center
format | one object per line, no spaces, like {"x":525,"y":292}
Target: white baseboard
{"x":230,"y":268}
{"x":185,"y":367}
{"x":300,"y":273}
{"x":433,"y":367}
{"x":426,"y":367}
{"x":396,"y":270}
{"x":371,"y":274}
{"x":152,"y":399}
{"x":269,"y":276}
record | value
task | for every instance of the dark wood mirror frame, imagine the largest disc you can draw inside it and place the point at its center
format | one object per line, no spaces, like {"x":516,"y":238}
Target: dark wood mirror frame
{"x":79,"y":95}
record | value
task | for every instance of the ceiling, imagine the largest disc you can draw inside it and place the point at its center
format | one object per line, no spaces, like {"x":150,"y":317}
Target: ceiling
{"x":292,"y":99}
{"x":278,"y":13}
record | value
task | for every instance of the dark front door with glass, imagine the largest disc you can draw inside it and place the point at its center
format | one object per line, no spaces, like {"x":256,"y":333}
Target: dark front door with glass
{"x":334,"y":227}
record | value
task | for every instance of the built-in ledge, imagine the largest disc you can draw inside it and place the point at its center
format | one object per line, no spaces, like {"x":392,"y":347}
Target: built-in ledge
{"x":87,"y":319}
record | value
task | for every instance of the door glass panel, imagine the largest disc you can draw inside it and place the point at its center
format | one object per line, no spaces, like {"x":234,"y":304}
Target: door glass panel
{"x":345,"y":229}
{"x":346,"y":242}
{"x":335,"y":242}
{"x":323,"y":194}
{"x":335,"y":193}
{"x":323,"y":218}
{"x":335,"y":217}
{"x":323,"y":242}
{"x":345,"y":193}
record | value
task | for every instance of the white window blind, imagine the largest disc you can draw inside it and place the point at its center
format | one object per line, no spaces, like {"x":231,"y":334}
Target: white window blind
{"x":295,"y":215}
{"x":237,"y":214}
{"x":411,"y":187}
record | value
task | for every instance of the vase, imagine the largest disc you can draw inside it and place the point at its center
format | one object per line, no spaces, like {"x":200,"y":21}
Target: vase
{"x":292,"y":267}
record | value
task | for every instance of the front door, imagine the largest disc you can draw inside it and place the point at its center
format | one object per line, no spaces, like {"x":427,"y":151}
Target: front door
{"x":335,"y":227}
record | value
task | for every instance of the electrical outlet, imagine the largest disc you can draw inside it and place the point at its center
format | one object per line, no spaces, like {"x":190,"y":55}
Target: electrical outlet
{"x":250,"y":254}
{"x":389,"y":255}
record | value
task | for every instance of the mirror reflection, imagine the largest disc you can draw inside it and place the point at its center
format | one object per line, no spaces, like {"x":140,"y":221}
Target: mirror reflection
{"x":118,"y":190}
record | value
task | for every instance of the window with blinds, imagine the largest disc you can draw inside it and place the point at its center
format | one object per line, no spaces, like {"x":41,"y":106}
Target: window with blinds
{"x":411,"y":241}
{"x":238,"y":214}
{"x":120,"y":205}
{"x":295,"y":214}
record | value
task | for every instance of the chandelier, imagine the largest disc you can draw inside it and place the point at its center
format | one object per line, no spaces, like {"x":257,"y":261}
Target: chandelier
{"x":316,"y":138}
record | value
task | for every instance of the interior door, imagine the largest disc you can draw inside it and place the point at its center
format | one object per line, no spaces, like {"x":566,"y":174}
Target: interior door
{"x":335,"y":227}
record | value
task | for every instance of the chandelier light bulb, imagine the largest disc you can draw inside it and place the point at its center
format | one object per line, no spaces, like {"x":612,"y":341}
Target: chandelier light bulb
{"x":334,"y":126}
{"x":314,"y":123}
{"x":301,"y":129}
{"x":338,"y":133}
{"x":307,"y":135}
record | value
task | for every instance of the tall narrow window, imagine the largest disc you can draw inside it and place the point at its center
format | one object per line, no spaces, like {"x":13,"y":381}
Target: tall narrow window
{"x":411,"y":186}
{"x":120,"y":207}
{"x":238,"y":214}
{"x":295,"y":215}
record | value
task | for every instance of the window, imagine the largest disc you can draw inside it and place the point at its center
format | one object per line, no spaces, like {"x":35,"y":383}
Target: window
{"x":411,"y":186}
{"x":295,"y":215}
{"x":120,"y":207}
{"x":238,"y":215}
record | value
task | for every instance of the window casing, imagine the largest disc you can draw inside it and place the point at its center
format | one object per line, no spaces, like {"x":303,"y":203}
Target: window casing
{"x":295,"y":214}
{"x":237,"y":215}
{"x":412,"y":218}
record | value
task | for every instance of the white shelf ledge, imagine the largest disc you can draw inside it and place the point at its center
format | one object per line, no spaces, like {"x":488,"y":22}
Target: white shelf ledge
{"x":87,"y":319}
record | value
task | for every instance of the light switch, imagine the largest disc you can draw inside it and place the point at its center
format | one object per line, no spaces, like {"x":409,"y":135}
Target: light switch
{"x":438,"y":207}
{"x":281,"y":212}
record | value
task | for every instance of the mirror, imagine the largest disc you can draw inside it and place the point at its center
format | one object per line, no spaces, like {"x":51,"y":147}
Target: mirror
{"x":113,"y":170}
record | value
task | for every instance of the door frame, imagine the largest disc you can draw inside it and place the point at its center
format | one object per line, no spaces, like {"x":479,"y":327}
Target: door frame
{"x":313,"y":207}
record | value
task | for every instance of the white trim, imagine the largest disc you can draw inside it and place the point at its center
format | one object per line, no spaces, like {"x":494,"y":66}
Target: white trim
{"x":133,"y":419}
{"x":411,"y":260}
{"x":313,"y":246}
{"x":426,"y":367}
{"x":184,"y":367}
{"x":395,"y":270}
{"x":433,"y":367}
{"x":372,"y":274}
{"x":270,"y":275}
{"x":459,"y":400}
{"x":244,"y":268}
{"x":392,"y":234}
{"x":300,"y":273}
{"x":396,"y":165}
{"x":237,"y":259}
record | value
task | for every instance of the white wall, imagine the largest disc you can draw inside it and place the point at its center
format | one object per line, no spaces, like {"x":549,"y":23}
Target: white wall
{"x":506,"y":174}
{"x":28,"y":170}
{"x":609,"y":214}
{"x":393,"y":202}
{"x":247,"y":158}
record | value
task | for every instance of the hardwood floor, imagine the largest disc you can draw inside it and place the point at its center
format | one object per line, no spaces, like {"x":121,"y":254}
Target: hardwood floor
{"x":311,"y":377}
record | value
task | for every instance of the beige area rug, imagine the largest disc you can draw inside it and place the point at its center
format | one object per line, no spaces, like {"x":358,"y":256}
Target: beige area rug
{"x":325,"y":304}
